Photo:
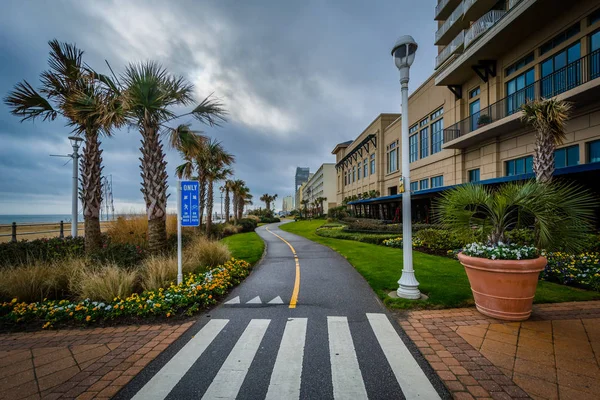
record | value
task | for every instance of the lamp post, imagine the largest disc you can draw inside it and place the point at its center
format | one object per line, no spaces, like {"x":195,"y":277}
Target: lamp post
{"x":74,"y":201}
{"x":404,"y":54}
{"x":222,"y":189}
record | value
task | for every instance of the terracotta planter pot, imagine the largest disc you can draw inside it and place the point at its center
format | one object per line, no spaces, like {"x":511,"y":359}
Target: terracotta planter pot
{"x":503,"y":289}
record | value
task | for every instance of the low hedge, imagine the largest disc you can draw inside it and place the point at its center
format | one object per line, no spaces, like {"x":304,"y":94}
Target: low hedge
{"x":197,"y":291}
{"x":269,"y":220}
{"x":359,"y":237}
{"x":248,"y":224}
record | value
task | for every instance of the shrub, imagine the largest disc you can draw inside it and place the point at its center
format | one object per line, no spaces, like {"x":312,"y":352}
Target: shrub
{"x":229,"y":229}
{"x":269,"y":220}
{"x":337,"y":213}
{"x":205,"y":254}
{"x":104,"y":283}
{"x":248,"y":224}
{"x":523,"y":237}
{"x":121,"y":254}
{"x":438,"y":239}
{"x":359,"y":237}
{"x":253,"y":218}
{"x":158,"y":272}
{"x":27,"y":252}
{"x":133,"y":229}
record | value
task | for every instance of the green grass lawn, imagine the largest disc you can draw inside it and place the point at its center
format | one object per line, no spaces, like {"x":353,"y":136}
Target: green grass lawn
{"x":245,"y":246}
{"x":443,"y":279}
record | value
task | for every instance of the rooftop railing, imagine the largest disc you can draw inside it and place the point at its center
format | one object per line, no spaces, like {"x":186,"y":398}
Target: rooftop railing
{"x":577,"y":73}
{"x":482,"y":25}
{"x":452,"y":19}
{"x":455,"y":45}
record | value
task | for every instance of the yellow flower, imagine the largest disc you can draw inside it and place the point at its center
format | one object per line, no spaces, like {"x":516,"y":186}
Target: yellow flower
{"x":88,"y":318}
{"x":168,"y":314}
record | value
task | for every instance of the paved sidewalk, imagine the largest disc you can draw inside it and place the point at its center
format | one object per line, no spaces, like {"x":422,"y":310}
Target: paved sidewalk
{"x":554,"y":355}
{"x":82,"y":363}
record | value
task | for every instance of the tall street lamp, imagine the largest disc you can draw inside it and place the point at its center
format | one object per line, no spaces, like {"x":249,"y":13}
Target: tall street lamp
{"x":404,"y":54}
{"x":74,"y":201}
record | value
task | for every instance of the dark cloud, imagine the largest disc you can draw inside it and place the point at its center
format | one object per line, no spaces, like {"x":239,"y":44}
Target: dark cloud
{"x":297,"y":78}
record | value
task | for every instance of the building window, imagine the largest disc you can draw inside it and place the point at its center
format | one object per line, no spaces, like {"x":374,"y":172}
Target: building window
{"x":358,"y":172}
{"x":560,"y":38}
{"x":474,"y":175}
{"x":521,"y":63}
{"x":392,"y":158}
{"x":365,"y":168}
{"x":437,"y":136}
{"x":424,"y":122}
{"x":594,"y":17}
{"x":413,"y":129}
{"x":595,"y":55}
{"x":354,"y":174}
{"x":436,"y":114}
{"x":414,"y":186}
{"x":566,"y":157}
{"x":424,"y":142}
{"x":519,"y":166}
{"x":593,"y":150}
{"x":413,"y":143}
{"x":474,"y":113}
{"x":437,"y":181}
{"x":475,"y":92}
{"x":424,"y":184}
{"x":372,"y":163}
{"x":561,"y":72}
{"x":519,"y":90}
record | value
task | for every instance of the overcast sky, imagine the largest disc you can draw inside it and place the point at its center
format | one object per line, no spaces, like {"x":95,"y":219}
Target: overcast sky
{"x":297,"y":77}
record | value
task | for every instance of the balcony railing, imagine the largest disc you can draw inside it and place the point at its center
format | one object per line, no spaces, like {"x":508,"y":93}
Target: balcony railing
{"x":440,"y":6}
{"x":452,"y":19}
{"x":572,"y":75}
{"x":482,"y":25}
{"x":454,"y":47}
{"x":512,"y":3}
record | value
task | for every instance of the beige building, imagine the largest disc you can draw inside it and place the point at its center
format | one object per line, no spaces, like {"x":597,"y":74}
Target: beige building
{"x":287,"y":204}
{"x":322,"y":185}
{"x":298,"y":205}
{"x":464,"y":121}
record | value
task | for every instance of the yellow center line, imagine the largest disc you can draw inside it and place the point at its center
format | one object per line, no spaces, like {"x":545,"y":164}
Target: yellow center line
{"x":294,"y":299}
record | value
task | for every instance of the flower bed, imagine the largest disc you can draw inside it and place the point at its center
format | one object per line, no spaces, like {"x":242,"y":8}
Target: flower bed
{"x":501,"y":252}
{"x":196,"y":292}
{"x":570,"y":269}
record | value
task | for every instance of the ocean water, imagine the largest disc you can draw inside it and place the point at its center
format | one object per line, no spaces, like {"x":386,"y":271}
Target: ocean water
{"x":34,"y":219}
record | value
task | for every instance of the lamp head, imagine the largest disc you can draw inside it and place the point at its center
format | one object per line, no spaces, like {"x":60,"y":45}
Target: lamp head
{"x":75,"y":140}
{"x":404,"y":51}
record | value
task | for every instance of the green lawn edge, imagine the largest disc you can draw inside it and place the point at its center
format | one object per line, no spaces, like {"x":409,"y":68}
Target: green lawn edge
{"x":245,"y":246}
{"x":442,"y":279}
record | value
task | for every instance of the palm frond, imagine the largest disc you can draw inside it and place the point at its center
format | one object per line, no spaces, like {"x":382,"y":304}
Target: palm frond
{"x":24,"y":101}
{"x":210,"y":112}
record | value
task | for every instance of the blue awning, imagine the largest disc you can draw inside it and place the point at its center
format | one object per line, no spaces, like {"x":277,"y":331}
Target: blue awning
{"x":418,"y":193}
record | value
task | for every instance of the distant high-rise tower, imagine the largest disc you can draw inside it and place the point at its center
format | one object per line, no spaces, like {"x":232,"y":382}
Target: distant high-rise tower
{"x":302,"y":175}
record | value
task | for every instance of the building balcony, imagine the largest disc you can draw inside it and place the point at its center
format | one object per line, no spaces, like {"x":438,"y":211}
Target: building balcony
{"x":474,"y":9}
{"x":455,"y":47}
{"x":491,"y":41}
{"x":444,"y":8}
{"x":482,"y":25}
{"x":577,"y":82}
{"x":451,"y":27}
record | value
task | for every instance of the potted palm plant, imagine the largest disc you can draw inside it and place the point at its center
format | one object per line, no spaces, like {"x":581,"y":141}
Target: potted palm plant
{"x":503,"y":275}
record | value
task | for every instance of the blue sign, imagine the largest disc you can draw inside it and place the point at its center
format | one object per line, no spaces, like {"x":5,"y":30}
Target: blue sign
{"x":189,"y":203}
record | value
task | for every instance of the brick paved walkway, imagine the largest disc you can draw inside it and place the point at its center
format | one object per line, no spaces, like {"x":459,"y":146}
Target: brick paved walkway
{"x":554,"y":355}
{"x":82,"y":364}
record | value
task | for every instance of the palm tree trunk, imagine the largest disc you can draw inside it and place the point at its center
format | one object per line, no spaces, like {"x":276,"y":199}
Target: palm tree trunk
{"x":154,"y":188}
{"x":240,"y":208}
{"x":209,"y":206}
{"x":91,"y":190}
{"x":202,"y":183}
{"x":227,"y":200}
{"x":235,"y":207}
{"x":543,"y":162}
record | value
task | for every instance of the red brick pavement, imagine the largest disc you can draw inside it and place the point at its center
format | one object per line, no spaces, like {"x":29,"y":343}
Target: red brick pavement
{"x":82,"y":364}
{"x":481,"y":358}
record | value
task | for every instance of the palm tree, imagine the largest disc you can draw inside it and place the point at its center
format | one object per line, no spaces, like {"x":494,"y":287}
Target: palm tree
{"x":217,"y":160}
{"x":320,"y":200}
{"x":71,"y":89}
{"x":228,"y":188}
{"x":150,"y":95}
{"x":244,"y":199}
{"x":236,"y":187}
{"x":305,"y":204}
{"x":548,"y":117}
{"x":268,"y":199}
{"x":561,"y":213}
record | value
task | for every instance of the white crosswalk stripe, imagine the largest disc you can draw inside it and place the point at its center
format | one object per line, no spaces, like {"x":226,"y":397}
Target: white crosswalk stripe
{"x":410,"y":376}
{"x":285,"y":380}
{"x":345,"y":372}
{"x":165,"y":380}
{"x":230,"y":377}
{"x":286,"y":377}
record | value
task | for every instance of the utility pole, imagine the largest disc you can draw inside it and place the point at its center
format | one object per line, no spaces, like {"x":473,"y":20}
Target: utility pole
{"x":74,"y":200}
